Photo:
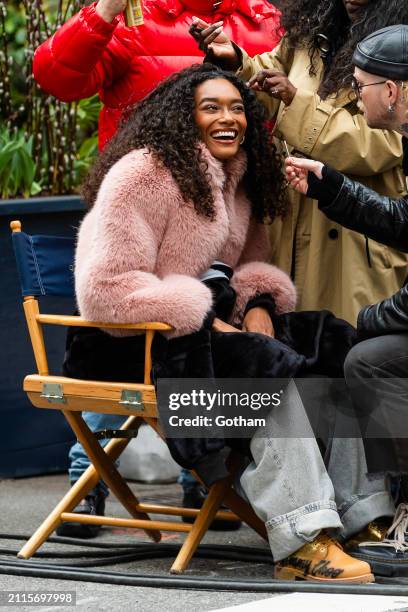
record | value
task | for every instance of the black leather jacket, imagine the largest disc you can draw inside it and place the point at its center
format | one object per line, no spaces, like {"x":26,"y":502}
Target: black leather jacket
{"x":381,"y":218}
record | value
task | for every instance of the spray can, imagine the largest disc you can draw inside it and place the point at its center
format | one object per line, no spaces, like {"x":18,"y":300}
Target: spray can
{"x":134,"y":13}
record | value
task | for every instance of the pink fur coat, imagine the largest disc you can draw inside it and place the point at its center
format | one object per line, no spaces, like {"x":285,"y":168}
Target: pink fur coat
{"x":141,"y":248}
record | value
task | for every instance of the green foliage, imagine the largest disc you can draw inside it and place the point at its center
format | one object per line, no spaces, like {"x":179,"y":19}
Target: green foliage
{"x":46,"y":146}
{"x":88,"y":112}
{"x":16,"y":32}
{"x":17,"y":167}
{"x":86,"y":154}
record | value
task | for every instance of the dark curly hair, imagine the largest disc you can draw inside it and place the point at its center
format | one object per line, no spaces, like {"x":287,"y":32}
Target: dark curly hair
{"x":304,"y":20}
{"x":164,"y":123}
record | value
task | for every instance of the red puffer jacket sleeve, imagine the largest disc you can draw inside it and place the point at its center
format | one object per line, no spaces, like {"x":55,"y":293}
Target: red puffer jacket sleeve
{"x":81,"y":57}
{"x":254,"y":276}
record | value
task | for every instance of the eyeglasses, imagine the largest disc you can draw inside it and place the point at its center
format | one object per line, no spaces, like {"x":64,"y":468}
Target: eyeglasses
{"x":358,"y":87}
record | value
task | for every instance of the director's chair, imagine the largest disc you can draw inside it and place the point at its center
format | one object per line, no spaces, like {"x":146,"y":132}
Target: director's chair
{"x":45,"y":267}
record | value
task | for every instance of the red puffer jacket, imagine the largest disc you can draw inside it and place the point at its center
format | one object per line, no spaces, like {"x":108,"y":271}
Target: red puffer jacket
{"x":88,"y":55}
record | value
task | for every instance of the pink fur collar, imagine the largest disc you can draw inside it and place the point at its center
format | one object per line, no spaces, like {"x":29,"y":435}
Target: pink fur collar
{"x":231,"y":171}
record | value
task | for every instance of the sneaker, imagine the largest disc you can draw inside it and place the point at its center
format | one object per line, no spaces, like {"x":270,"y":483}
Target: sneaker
{"x":91,"y":504}
{"x":388,"y":557}
{"x":194,"y":498}
{"x":323,"y":560}
{"x":399,"y":527}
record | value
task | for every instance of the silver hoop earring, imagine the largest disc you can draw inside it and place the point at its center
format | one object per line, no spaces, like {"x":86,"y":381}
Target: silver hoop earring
{"x":243,"y":140}
{"x":391,"y":108}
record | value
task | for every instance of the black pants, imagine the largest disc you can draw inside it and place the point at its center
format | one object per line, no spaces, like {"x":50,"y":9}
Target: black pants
{"x":376,"y":373}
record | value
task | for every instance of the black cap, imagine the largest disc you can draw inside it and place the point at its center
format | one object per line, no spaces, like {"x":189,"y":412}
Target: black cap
{"x":385,"y":52}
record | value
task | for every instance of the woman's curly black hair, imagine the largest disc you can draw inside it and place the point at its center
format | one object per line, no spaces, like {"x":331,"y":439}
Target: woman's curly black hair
{"x":304,"y":20}
{"x":164,"y":123}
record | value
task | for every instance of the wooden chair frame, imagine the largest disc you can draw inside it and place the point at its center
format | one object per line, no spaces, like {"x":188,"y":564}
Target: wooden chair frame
{"x":138,"y":402}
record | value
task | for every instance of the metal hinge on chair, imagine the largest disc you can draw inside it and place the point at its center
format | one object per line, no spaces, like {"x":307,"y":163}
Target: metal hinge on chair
{"x":132,"y":399}
{"x":107,"y":434}
{"x":53,"y":393}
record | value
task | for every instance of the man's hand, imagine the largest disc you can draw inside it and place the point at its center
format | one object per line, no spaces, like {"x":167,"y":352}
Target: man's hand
{"x":216,"y":45}
{"x":220,"y":326}
{"x":274,"y":83}
{"x":108,"y":9}
{"x":257,"y":320}
{"x":297,"y":170}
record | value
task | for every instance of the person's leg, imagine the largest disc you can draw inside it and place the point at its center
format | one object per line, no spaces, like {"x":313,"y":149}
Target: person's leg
{"x":187,"y":481}
{"x":94,"y":502}
{"x":79,"y":460}
{"x":288,"y":486}
{"x":376,"y":373}
{"x":287,"y":483}
{"x":360,"y":499}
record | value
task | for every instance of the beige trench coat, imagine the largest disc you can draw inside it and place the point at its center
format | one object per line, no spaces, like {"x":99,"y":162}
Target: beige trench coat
{"x":329,"y":263}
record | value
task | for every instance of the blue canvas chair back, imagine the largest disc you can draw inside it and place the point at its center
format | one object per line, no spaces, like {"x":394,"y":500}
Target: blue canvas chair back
{"x":45,"y":264}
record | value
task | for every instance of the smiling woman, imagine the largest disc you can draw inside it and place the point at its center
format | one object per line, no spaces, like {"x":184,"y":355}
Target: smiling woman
{"x":176,"y":234}
{"x":176,"y":230}
{"x":220,"y":117}
{"x":188,"y":108}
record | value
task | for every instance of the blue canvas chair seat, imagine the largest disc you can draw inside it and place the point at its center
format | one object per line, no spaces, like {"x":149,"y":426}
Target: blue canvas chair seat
{"x":45,"y":267}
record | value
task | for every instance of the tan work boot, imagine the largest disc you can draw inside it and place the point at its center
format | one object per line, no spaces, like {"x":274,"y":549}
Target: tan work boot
{"x":323,"y":560}
{"x":373,"y":532}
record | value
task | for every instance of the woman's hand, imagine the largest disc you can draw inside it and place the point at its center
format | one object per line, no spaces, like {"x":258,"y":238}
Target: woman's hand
{"x":274,"y":83}
{"x":220,"y":326}
{"x":297,"y":169}
{"x":215,"y":44}
{"x":257,"y":320}
{"x":109,"y":9}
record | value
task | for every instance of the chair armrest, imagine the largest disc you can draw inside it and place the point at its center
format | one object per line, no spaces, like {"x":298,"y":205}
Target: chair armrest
{"x":74,"y":321}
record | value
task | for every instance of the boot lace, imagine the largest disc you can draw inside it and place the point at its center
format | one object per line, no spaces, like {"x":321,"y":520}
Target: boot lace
{"x":398,"y":529}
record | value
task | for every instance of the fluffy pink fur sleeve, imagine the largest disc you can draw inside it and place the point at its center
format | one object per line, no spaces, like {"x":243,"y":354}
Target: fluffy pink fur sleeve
{"x":254,"y":276}
{"x":116,"y":255}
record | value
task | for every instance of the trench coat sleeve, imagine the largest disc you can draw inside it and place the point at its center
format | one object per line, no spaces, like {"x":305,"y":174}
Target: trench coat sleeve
{"x":279,"y":58}
{"x":336,"y":137}
{"x":254,"y":277}
{"x":117,"y":250}
{"x":81,"y":58}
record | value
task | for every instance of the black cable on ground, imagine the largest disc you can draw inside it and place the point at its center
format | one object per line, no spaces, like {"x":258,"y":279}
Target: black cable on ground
{"x":157,"y":552}
{"x":143,"y":556}
{"x":70,"y":541}
{"x":145,"y":545}
{"x":143,"y":550}
{"x":42,"y":570}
